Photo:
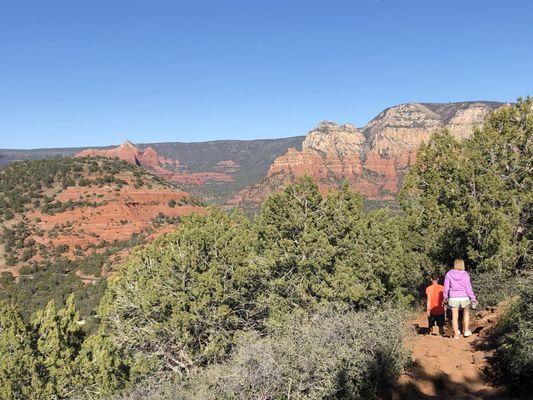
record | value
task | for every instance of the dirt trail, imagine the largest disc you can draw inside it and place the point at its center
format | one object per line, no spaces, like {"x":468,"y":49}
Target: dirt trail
{"x":446,"y":368}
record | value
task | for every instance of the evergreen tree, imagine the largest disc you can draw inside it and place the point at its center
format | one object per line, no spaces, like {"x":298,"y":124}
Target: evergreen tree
{"x":101,"y":367}
{"x":474,"y":199}
{"x":432,"y":196}
{"x":375,"y":263}
{"x":58,"y":342}
{"x":19,"y":369}
{"x":343,"y":210}
{"x":317,"y":250}
{"x":178,"y":303}
{"x":500,"y":189}
{"x":294,"y":248}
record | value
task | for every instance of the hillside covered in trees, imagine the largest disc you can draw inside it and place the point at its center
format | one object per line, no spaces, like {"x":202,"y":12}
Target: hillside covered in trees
{"x":65,"y":222}
{"x":308,"y":301}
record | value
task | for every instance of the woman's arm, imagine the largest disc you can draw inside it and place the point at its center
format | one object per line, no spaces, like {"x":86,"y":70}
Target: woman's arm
{"x":469,"y":290}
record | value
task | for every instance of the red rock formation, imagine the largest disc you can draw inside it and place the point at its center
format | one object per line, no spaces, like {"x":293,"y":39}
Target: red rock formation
{"x":126,"y":151}
{"x":169,"y":162}
{"x":162,"y":166}
{"x":227,"y":166}
{"x":149,"y":158}
{"x":98,"y":214}
{"x":107,"y":222}
{"x":372,"y":159}
{"x":198,"y":178}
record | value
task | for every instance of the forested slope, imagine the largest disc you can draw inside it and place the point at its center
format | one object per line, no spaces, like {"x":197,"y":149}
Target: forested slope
{"x":309,"y":300}
{"x":65,"y":222}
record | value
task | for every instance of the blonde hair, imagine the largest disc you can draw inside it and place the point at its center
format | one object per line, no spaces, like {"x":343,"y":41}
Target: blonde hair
{"x":459,"y":264}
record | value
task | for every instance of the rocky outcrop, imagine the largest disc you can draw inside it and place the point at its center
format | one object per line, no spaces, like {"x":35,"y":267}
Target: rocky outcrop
{"x":374,"y":159}
{"x":329,"y":138}
{"x":402,"y":127}
{"x":197,"y":178}
{"x":169,"y":162}
{"x":227,"y":166}
{"x":127,"y":151}
{"x":162,"y":166}
{"x":330,"y":151}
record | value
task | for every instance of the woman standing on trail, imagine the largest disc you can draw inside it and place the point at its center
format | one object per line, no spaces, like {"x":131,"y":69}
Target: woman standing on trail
{"x":459,"y":294}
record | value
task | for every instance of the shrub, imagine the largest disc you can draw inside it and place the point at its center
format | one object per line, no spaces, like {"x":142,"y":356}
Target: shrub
{"x":327,"y":355}
{"x":62,"y":248}
{"x":178,"y":303}
{"x":493,"y":287}
{"x":516,"y":338}
{"x":6,"y":277}
{"x":11,"y":260}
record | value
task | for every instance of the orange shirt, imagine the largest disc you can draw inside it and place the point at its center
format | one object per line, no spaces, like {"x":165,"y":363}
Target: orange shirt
{"x":435,"y":297}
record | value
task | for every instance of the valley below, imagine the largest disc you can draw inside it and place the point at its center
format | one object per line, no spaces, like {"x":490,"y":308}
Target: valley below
{"x":210,"y":260}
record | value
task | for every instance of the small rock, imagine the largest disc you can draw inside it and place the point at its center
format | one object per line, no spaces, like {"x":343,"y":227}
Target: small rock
{"x":478,"y":358}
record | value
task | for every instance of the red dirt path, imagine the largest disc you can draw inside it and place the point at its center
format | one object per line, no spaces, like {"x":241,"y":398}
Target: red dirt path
{"x":446,"y":368}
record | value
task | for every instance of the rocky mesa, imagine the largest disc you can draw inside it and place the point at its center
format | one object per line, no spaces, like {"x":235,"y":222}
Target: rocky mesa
{"x":168,"y":168}
{"x":374,"y":158}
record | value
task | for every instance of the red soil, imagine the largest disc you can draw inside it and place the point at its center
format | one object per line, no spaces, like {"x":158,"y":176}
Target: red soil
{"x":446,"y":368}
{"x":197,"y":178}
{"x":124,"y":213}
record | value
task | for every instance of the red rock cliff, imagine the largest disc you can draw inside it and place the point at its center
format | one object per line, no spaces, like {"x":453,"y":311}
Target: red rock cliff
{"x":374,"y":159}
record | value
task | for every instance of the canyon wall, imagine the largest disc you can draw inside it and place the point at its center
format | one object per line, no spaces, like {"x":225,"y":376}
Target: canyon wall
{"x":374,"y":158}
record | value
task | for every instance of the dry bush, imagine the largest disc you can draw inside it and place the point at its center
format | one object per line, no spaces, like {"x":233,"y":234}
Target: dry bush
{"x":493,"y":287}
{"x":328,"y":355}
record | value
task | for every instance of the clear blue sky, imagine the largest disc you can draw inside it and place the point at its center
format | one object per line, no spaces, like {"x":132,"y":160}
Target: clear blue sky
{"x":78,"y":73}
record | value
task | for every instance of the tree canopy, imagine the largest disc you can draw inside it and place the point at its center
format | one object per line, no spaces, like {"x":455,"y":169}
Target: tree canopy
{"x":473,"y":199}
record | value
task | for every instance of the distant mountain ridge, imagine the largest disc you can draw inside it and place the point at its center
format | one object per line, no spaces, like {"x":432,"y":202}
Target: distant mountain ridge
{"x":244,"y":161}
{"x":373,"y":158}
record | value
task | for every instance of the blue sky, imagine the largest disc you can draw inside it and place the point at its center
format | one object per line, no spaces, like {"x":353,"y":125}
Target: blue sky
{"x":81,"y":73}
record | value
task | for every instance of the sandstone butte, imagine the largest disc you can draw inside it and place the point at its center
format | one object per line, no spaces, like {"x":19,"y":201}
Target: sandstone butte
{"x":374,"y":158}
{"x":167,"y":168}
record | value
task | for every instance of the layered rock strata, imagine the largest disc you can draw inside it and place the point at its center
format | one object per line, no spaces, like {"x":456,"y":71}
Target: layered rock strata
{"x":374,"y":158}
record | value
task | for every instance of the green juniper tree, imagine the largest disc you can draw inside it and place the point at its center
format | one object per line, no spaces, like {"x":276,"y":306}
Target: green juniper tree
{"x":20,"y":376}
{"x":326,"y":250}
{"x":58,"y":341}
{"x":474,"y":199}
{"x":101,"y":368}
{"x":178,"y":303}
{"x":294,"y":248}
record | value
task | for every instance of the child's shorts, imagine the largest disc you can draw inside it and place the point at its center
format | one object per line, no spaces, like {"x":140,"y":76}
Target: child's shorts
{"x":459,"y":303}
{"x":436,"y":319}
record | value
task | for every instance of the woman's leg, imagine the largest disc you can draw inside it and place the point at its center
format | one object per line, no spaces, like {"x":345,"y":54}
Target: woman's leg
{"x":466,"y":319}
{"x":455,"y":321}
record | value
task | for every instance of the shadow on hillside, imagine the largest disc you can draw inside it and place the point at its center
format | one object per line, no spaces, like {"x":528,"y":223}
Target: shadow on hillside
{"x":495,"y":370}
{"x":440,"y":384}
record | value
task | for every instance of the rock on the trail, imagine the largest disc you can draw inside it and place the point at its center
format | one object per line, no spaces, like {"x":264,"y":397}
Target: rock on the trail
{"x":478,"y":358}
